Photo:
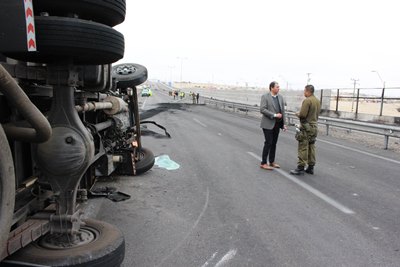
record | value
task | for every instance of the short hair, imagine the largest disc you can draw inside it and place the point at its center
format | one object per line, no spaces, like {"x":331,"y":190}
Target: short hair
{"x":272,"y":85}
{"x":310,"y":88}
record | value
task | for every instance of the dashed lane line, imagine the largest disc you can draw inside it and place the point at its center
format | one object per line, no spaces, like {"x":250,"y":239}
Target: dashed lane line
{"x":144,"y":103}
{"x":226,"y":258}
{"x":310,"y":189}
{"x":199,"y":122}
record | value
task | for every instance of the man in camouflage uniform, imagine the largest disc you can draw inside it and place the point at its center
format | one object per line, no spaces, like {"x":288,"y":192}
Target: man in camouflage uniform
{"x":307,"y":135}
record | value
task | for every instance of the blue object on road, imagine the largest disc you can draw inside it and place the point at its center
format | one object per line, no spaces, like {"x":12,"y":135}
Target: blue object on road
{"x":165,"y":162}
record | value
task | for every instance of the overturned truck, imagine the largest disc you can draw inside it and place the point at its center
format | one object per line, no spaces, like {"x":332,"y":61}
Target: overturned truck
{"x":67,"y":116}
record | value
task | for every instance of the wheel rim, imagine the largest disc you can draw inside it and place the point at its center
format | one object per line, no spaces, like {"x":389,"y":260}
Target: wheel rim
{"x":85,"y":236}
{"x":125,"y":69}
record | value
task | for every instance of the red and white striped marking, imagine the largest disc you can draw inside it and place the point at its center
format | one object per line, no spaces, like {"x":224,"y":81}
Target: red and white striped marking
{"x":30,"y":26}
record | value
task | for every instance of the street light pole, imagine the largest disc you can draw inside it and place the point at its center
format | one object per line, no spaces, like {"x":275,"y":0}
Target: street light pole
{"x":383,"y":91}
{"x":287,"y":83}
{"x":181,"y":59}
{"x":308,"y":78}
{"x":170,"y":74}
{"x":354,"y":90}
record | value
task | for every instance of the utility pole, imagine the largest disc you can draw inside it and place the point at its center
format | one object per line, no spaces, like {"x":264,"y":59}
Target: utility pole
{"x":308,"y":77}
{"x":354,"y":90}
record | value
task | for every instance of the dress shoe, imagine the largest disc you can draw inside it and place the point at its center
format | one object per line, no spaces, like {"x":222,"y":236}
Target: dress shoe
{"x":266,"y":167}
{"x":298,"y":171}
{"x":274,"y":165}
{"x":310,"y":170}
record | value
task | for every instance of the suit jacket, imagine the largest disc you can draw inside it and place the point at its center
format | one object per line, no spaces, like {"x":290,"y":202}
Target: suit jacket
{"x":268,"y":108}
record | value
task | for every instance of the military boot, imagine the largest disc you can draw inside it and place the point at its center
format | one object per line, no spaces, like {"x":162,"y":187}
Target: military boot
{"x":298,"y":171}
{"x":310,"y":169}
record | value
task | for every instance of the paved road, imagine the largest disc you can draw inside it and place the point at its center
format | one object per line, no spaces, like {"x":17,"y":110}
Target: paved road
{"x":220,"y":209}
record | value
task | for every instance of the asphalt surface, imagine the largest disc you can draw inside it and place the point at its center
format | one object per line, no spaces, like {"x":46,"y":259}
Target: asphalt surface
{"x":220,"y":209}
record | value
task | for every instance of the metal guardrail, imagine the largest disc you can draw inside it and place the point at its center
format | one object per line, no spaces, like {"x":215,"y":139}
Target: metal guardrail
{"x":366,"y":127}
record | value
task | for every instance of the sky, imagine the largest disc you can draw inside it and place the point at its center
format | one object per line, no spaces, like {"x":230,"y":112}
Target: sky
{"x":254,"y":42}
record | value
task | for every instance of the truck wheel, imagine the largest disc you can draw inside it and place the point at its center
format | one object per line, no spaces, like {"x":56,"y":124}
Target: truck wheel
{"x":84,"y":42}
{"x":106,"y":249}
{"x":7,"y":189}
{"x":109,"y":12}
{"x":129,"y":74}
{"x":145,"y":162}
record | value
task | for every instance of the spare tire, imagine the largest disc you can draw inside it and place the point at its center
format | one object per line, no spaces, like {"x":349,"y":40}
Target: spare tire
{"x":109,"y":12}
{"x":65,"y":39}
{"x":145,"y":160}
{"x":129,"y":74}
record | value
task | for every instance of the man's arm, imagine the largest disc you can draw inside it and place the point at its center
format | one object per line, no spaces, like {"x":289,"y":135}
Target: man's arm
{"x":305,"y":107}
{"x":264,"y":108}
{"x":282,"y":104}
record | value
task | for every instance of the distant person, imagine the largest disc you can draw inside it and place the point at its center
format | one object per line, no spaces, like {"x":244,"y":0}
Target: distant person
{"x":272,"y":108}
{"x":194,"y":98}
{"x":197,"y":97}
{"x":308,"y":115}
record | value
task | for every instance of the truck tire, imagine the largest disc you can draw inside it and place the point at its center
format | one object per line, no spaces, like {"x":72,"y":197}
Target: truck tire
{"x":7,"y":189}
{"x":129,"y":75}
{"x":107,"y":249}
{"x":145,"y":162}
{"x":84,"y":42}
{"x":108,"y":12}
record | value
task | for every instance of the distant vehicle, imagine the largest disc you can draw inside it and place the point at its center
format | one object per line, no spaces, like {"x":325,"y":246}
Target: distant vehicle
{"x":147,"y":92}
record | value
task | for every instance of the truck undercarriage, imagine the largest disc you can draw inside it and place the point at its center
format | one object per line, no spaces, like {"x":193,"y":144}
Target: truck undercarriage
{"x":67,"y":117}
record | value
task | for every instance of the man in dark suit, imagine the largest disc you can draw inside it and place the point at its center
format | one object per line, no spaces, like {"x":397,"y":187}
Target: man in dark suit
{"x":273,"y":119}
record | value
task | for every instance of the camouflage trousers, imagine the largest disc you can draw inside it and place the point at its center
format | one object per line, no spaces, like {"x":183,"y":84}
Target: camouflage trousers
{"x":306,"y":147}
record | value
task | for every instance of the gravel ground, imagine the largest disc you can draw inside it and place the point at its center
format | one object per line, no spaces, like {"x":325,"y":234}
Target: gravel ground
{"x":366,"y":139}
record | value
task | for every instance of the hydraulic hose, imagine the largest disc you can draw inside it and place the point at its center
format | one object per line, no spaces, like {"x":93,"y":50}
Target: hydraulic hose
{"x":17,"y":98}
{"x":7,"y":189}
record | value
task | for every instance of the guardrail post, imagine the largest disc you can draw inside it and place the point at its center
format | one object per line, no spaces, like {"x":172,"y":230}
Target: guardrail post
{"x":358,"y":99}
{"x":322,"y":95}
{"x":382,"y":98}
{"x":327,"y":129}
{"x":386,"y":144}
{"x":337,"y":100}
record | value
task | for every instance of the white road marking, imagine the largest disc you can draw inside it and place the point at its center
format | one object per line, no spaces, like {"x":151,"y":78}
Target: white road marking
{"x":228,"y":256}
{"x":210,"y":259}
{"x":310,"y":189}
{"x":360,"y":151}
{"x":199,"y":122}
{"x":190,"y":231}
{"x":144,"y":103}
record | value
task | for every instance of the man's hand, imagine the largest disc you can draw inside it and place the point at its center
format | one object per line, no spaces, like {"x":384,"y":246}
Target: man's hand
{"x":279,"y":115}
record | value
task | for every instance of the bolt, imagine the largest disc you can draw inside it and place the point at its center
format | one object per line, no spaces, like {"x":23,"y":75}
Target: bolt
{"x":69,"y":140}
